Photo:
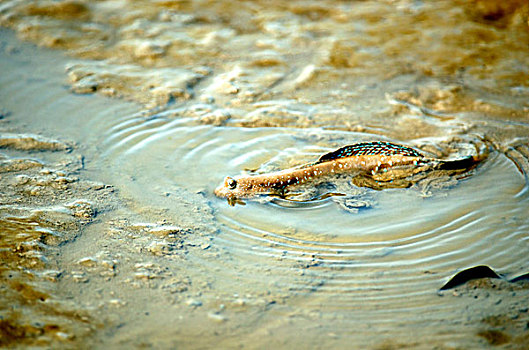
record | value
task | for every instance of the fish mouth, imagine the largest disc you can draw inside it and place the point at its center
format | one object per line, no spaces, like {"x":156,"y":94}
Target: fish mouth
{"x":223,"y":192}
{"x":232,"y":195}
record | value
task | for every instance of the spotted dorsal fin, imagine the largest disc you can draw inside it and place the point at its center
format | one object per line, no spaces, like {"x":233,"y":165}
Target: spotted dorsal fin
{"x":370,"y":149}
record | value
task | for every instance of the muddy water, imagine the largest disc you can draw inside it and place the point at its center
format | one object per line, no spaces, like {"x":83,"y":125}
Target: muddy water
{"x":369,"y":262}
{"x":128,"y":246}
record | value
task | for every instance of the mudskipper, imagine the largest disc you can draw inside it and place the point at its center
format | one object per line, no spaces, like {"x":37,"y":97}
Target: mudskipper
{"x":379,"y":162}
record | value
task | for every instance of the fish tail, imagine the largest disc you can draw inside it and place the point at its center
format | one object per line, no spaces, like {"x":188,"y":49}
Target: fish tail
{"x":465,"y":162}
{"x":462,"y":163}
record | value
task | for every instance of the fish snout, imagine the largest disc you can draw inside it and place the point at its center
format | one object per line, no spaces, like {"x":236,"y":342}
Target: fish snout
{"x":224,"y":190}
{"x":221,"y":191}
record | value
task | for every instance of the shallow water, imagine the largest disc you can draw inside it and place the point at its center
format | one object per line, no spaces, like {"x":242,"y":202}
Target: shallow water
{"x":404,"y":247}
{"x":148,"y":256}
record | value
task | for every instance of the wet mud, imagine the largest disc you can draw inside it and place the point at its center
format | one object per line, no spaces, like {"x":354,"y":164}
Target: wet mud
{"x":112,"y":142}
{"x":336,"y":55}
{"x":44,"y":206}
{"x":504,"y":325}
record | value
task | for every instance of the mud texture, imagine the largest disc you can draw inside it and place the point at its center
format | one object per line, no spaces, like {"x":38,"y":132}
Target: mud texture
{"x":44,"y":206}
{"x":336,"y":54}
{"x":503,"y":325}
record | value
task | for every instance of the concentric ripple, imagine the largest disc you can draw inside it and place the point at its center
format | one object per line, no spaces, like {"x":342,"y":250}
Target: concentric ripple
{"x":374,"y":261}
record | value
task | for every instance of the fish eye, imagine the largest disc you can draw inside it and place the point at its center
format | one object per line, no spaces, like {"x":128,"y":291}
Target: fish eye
{"x":232,"y":183}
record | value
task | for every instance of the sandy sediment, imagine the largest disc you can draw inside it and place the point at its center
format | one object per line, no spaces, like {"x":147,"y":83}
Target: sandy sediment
{"x":43,"y":207}
{"x":162,"y":52}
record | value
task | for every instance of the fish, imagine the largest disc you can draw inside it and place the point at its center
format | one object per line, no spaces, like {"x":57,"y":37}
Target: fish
{"x":380,"y":160}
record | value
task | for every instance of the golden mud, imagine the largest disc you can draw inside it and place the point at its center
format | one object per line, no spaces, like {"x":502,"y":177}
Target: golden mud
{"x":318,"y":54}
{"x":39,"y":214}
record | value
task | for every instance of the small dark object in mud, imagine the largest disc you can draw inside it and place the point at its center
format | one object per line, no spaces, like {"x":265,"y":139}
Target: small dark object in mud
{"x":524,"y":277}
{"x":476,"y":272}
{"x":4,"y":113}
{"x":494,"y":337}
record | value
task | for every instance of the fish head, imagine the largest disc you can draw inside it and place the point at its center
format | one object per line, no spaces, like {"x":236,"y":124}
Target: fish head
{"x":230,"y":188}
{"x":243,"y":187}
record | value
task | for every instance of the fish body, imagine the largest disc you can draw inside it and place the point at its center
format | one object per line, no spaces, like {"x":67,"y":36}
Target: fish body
{"x":383,"y":161}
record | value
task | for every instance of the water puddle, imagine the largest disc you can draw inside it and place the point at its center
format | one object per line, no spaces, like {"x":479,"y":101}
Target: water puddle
{"x":402,"y":246}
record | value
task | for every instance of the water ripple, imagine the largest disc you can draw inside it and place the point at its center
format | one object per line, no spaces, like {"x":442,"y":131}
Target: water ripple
{"x":404,"y":247}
